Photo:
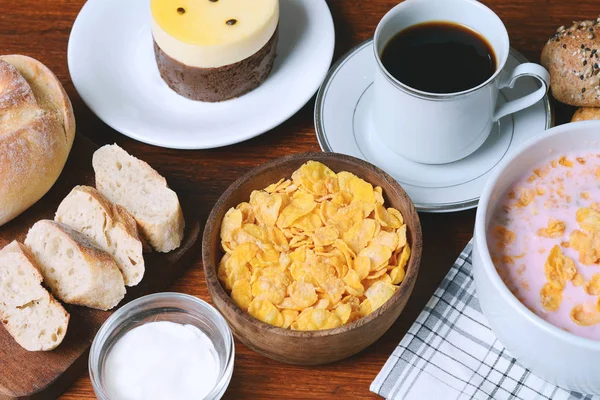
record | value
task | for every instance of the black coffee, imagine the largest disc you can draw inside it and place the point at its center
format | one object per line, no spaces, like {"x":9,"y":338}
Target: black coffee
{"x":439,"y":57}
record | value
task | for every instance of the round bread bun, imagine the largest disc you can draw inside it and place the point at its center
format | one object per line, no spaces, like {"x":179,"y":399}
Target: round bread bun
{"x":572,"y":56}
{"x":37,"y":128}
{"x":585,"y":114}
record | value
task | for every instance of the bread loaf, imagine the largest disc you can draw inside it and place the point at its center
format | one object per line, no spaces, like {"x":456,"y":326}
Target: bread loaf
{"x":76,"y":270}
{"x":36,"y":133}
{"x":571,"y":56}
{"x":133,"y":184}
{"x":30,"y":314}
{"x":110,"y":226}
{"x":585,"y":114}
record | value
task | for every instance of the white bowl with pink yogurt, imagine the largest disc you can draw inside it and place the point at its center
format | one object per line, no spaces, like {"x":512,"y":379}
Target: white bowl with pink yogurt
{"x":549,"y":322}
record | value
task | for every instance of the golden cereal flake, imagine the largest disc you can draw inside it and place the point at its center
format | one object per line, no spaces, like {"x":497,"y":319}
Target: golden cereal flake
{"x":241,"y":293}
{"x":526,"y":197}
{"x":272,"y":188}
{"x":302,"y":203}
{"x":378,"y":192}
{"x":559,"y":268}
{"x":540,"y":190}
{"x":592,"y":287}
{"x":588,"y":219}
{"x":503,"y":236}
{"x":360,"y":234}
{"x":325,"y":236}
{"x":343,"y":311}
{"x":587,"y":246}
{"x":550,"y":297}
{"x":232,"y":220}
{"x":397,"y":275}
{"x":585,"y":315}
{"x":541,"y":172}
{"x":361,"y":190}
{"x":302,"y":294}
{"x":316,"y":178}
{"x":289,"y":316}
{"x":379,"y":293}
{"x":555,"y":228}
{"x":578,"y":280}
{"x":312,"y":319}
{"x":269,"y":288}
{"x":265,"y":311}
{"x":565,"y":162}
{"x":266,"y":206}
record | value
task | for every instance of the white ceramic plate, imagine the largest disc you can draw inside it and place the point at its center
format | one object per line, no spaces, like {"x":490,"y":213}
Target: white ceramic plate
{"x":343,"y":126}
{"x":112,"y":65}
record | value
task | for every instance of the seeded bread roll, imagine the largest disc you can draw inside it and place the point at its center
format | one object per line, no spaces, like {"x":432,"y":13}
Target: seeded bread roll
{"x":110,"y":226}
{"x":585,"y":114}
{"x":30,"y":314}
{"x":133,"y":184}
{"x":76,"y":271}
{"x":37,"y":129}
{"x":571,"y":56}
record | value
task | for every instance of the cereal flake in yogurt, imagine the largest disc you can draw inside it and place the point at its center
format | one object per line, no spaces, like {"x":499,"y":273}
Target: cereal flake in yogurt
{"x":544,"y":239}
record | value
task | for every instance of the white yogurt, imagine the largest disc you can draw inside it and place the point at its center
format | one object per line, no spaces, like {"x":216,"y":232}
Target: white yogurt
{"x":162,"y":360}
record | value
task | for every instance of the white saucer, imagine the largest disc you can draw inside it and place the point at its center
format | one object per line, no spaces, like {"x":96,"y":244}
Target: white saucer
{"x":342,"y":126}
{"x":112,"y":65}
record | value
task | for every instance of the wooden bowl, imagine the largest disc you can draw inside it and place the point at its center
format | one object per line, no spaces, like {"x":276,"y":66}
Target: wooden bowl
{"x":309,"y":347}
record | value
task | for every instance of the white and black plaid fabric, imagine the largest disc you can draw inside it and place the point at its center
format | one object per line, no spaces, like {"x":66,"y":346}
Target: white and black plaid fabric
{"x":451,"y":353}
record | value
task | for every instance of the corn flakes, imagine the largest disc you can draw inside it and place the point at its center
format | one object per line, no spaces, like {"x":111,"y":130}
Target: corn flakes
{"x":551,"y":297}
{"x":555,"y":229}
{"x":559,"y":268}
{"x":585,"y":315}
{"x":265,"y":311}
{"x":313,"y":252}
{"x":312,"y":319}
{"x":592,"y":286}
{"x":241,"y":293}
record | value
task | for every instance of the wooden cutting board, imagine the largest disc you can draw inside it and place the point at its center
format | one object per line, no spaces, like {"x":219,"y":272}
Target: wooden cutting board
{"x":37,"y":375}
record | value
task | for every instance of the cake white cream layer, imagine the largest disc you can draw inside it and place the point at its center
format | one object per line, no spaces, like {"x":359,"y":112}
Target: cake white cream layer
{"x":211,"y":34}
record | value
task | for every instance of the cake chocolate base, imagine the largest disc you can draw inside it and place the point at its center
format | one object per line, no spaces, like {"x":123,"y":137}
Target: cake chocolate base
{"x":218,"y":84}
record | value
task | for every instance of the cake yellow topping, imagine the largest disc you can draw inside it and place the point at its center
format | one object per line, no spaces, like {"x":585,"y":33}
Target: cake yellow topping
{"x":214,"y":22}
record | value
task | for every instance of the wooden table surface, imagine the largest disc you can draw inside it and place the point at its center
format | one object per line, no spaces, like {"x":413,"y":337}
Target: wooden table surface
{"x":41,"y":29}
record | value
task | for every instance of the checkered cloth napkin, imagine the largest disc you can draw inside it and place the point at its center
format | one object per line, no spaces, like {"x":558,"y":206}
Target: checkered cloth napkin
{"x":451,"y":353}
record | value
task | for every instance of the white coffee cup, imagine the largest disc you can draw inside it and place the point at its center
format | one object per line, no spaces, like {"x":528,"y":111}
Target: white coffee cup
{"x":437,"y":128}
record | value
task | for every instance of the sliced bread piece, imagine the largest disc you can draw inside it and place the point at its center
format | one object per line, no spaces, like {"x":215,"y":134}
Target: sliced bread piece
{"x":109,"y":225}
{"x":75,"y":269}
{"x":133,"y":184}
{"x":30,"y":314}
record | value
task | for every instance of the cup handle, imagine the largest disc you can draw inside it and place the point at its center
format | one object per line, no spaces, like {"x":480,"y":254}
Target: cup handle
{"x":526,"y":69}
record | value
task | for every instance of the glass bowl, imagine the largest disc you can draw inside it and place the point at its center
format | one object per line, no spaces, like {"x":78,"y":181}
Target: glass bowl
{"x":174,"y":307}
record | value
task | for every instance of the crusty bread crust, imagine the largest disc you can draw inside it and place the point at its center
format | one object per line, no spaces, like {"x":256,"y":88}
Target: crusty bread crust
{"x":101,"y":285}
{"x":36,"y":134}
{"x":586,"y":114}
{"x":116,"y":231}
{"x":135,"y":185}
{"x":30,"y":314}
{"x":571,"y":56}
